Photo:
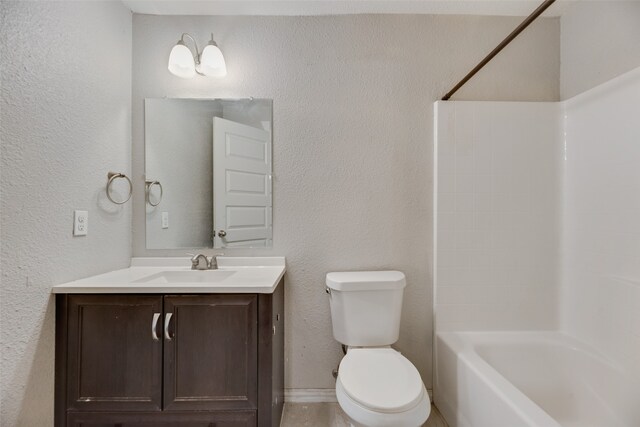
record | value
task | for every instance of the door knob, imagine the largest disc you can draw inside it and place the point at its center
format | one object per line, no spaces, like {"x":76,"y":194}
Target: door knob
{"x":222,"y":233}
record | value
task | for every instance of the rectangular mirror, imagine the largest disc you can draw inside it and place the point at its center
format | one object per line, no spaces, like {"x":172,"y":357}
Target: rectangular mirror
{"x":208,"y":173}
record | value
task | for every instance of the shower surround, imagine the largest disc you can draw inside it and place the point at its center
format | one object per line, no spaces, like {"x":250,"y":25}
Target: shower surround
{"x":537,"y":228}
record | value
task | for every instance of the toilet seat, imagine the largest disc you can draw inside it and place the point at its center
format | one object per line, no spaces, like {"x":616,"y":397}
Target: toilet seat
{"x":381,"y":380}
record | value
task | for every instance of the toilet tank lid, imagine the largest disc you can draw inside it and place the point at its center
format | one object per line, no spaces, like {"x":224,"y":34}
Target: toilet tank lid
{"x":365,"y":280}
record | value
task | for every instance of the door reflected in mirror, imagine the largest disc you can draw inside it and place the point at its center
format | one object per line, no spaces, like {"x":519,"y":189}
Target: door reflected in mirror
{"x":208,"y":173}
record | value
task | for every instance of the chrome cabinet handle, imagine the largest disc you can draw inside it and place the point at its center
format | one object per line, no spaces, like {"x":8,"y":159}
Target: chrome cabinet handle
{"x":167,"y":320}
{"x":222,"y":233}
{"x":154,"y":325}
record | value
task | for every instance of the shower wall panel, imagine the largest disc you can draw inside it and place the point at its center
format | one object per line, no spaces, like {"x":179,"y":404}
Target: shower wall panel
{"x":498,"y":179}
{"x":600,"y":300}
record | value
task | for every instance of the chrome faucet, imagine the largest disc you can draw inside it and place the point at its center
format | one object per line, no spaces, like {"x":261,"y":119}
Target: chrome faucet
{"x":201,"y":262}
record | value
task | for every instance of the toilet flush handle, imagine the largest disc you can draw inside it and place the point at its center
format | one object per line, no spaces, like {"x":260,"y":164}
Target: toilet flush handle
{"x":327,"y":290}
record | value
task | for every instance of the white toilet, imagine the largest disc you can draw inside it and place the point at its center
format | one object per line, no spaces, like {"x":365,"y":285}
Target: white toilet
{"x":376,"y":385}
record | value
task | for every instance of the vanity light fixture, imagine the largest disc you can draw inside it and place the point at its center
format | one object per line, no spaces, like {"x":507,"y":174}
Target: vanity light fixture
{"x":184,"y":63}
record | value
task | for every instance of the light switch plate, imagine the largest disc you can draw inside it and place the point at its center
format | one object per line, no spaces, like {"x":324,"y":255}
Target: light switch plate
{"x":80,"y":223}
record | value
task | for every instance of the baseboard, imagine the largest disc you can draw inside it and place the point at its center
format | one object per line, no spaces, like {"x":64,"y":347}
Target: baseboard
{"x":318,"y":395}
{"x":310,"y":395}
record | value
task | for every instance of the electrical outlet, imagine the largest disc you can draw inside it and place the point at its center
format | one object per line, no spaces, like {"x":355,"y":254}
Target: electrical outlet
{"x":80,"y":223}
{"x":165,"y":219}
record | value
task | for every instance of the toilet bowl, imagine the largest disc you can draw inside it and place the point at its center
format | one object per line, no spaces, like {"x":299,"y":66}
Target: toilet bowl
{"x":376,"y":385}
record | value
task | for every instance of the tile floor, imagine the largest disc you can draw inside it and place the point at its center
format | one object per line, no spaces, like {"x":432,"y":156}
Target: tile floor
{"x":330,"y":415}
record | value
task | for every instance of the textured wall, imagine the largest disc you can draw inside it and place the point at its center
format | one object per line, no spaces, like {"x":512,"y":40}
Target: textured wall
{"x":601,"y":281}
{"x":65,"y":122}
{"x":352,"y":148}
{"x":499,"y":180}
{"x":599,"y":41}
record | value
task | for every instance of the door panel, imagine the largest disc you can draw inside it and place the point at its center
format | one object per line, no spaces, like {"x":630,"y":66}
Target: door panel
{"x":241,"y":184}
{"x":114,"y":362}
{"x":210,"y":360}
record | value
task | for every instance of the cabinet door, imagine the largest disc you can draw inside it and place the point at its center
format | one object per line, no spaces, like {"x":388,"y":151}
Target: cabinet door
{"x":210,"y":352}
{"x":114,"y":361}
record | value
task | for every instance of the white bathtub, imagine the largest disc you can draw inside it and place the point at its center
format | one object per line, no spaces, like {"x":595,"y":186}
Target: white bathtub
{"x":513,"y":379}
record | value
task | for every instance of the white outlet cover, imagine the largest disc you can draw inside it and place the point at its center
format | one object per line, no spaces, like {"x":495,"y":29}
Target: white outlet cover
{"x":80,"y":223}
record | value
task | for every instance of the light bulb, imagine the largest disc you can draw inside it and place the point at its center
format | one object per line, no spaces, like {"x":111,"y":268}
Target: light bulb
{"x":181,"y":61}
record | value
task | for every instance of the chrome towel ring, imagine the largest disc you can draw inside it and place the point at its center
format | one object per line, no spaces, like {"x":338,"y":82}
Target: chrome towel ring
{"x":112,"y":176}
{"x":149,"y":185}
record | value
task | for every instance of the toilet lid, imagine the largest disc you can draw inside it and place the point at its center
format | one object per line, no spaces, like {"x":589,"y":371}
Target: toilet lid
{"x":380,"y":379}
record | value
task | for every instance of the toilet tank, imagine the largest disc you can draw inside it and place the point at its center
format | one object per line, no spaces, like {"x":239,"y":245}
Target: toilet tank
{"x":366,"y":306}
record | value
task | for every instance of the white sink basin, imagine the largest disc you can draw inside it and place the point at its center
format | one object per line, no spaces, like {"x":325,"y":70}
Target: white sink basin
{"x":187,"y":276}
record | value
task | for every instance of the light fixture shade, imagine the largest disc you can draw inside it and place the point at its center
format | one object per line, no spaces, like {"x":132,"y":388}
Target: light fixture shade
{"x":181,"y":61}
{"x":212,"y":62}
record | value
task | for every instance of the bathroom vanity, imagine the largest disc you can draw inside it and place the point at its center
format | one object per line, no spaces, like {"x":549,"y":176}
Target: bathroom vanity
{"x":158,"y":344}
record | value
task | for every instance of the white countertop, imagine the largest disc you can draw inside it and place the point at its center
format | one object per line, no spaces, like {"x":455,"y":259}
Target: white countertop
{"x":251,"y":275}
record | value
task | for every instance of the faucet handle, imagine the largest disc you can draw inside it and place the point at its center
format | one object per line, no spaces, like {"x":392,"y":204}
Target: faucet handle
{"x":213,"y":263}
{"x":192,"y":256}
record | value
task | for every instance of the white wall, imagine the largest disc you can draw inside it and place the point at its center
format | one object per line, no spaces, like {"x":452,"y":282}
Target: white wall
{"x":352,"y":144}
{"x":65,"y":122}
{"x":499,"y":170}
{"x":601,"y":280}
{"x":600,"y":40}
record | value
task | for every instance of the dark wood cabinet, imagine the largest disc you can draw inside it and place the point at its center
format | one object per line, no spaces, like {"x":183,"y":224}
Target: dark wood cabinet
{"x":115,"y":364}
{"x":210,"y":360}
{"x":172,"y":419}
